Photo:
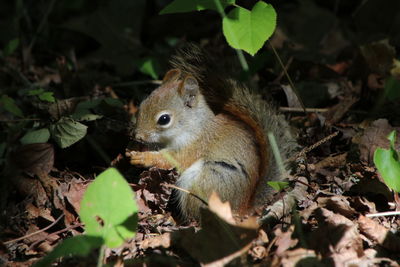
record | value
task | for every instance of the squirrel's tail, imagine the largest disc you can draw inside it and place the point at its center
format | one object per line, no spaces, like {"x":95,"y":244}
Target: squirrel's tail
{"x":268,"y":119}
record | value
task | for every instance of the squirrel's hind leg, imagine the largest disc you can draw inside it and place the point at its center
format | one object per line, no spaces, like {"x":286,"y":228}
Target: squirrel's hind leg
{"x":203,"y":177}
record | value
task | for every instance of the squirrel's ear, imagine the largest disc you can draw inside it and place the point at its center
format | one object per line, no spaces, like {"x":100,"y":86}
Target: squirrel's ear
{"x":171,"y":75}
{"x":189,"y":90}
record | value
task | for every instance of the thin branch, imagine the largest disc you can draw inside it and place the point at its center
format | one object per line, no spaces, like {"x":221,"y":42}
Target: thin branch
{"x":34,"y":233}
{"x":387,"y":213}
{"x":317,"y":144}
{"x":187,"y":192}
{"x":308,"y":110}
{"x":287,"y":76}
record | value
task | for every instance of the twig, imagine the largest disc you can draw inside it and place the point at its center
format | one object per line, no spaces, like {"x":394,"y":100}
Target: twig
{"x":186,"y":191}
{"x":287,"y":76}
{"x":386,"y":213}
{"x":317,"y":144}
{"x":279,"y":77}
{"x":56,"y":233}
{"x":34,"y":233}
{"x":308,"y":110}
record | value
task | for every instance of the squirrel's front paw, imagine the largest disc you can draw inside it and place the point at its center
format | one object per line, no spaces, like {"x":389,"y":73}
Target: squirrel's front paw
{"x":148,"y":159}
{"x":137,"y":158}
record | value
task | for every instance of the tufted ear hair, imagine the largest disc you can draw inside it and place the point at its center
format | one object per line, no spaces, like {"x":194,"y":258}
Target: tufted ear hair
{"x":189,"y":91}
{"x":171,"y":75}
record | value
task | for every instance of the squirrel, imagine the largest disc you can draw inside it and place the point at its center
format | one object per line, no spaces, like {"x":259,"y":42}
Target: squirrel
{"x":214,"y":131}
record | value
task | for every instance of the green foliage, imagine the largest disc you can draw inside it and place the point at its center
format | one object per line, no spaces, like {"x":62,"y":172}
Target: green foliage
{"x":80,"y":245}
{"x":249,"y":30}
{"x":11,"y":47}
{"x":392,"y":88}
{"x":9,"y":104}
{"x":149,"y":66}
{"x":388,"y":163}
{"x":278,"y":185}
{"x":67,"y":132}
{"x":109,"y":199}
{"x":242,"y":28}
{"x":109,"y":213}
{"x":42,"y":95}
{"x":180,"y":6}
{"x":37,"y":136}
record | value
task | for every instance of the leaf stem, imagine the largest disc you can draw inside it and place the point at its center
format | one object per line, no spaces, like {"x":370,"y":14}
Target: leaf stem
{"x":100,"y":259}
{"x":287,"y":76}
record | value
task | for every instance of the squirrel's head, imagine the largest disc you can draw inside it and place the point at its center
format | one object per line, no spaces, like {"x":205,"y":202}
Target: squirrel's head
{"x":174,"y":114}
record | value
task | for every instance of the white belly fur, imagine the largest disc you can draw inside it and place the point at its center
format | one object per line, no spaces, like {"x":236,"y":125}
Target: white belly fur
{"x":190,"y":175}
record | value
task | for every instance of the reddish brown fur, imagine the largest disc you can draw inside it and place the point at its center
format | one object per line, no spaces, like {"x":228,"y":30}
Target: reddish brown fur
{"x":261,"y":139}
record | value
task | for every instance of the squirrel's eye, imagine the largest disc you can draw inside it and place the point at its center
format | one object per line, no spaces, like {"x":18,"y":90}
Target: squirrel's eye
{"x":164,"y":119}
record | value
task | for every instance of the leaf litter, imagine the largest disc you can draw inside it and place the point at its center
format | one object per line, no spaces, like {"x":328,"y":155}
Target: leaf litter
{"x":321,"y":220}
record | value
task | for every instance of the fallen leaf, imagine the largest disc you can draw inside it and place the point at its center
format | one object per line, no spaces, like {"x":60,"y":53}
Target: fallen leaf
{"x":374,"y":136}
{"x":379,"y":234}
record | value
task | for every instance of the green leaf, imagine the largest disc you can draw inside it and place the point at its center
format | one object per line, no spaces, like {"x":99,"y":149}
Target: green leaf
{"x":249,"y":30}
{"x":278,"y":185}
{"x":388,"y":164}
{"x":108,"y":209}
{"x":35,"y":92}
{"x":42,"y":95}
{"x":11,"y":47}
{"x":392,"y":139}
{"x":67,"y":132}
{"x":80,"y":245}
{"x":113,"y":102}
{"x":47,"y":96}
{"x":392,"y":88}
{"x":9,"y":104}
{"x":89,"y":104}
{"x":34,"y":137}
{"x":85,"y":115}
{"x":181,"y":6}
{"x":149,"y":66}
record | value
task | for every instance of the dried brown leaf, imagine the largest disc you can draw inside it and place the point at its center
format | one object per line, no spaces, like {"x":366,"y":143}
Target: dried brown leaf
{"x":379,"y":234}
{"x":284,"y":240}
{"x":163,"y":240}
{"x":374,"y":136}
{"x":76,"y":188}
{"x":218,"y":241}
{"x":337,"y":204}
{"x":336,"y":237}
{"x":34,"y":159}
{"x":298,"y":257}
{"x":222,"y":209}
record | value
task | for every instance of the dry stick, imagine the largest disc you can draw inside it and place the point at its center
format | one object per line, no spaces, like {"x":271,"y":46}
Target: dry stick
{"x":186,"y":191}
{"x":288,"y":63}
{"x":308,"y":110}
{"x":34,"y":233}
{"x":387,"y":213}
{"x":56,"y":233}
{"x":317,"y":144}
{"x":287,"y":76}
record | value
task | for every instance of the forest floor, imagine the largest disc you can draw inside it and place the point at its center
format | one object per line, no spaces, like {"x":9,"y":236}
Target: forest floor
{"x":65,"y":117}
{"x":335,"y":220}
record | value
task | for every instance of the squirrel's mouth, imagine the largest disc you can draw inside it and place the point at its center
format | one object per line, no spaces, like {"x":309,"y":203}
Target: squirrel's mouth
{"x":140,"y":145}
